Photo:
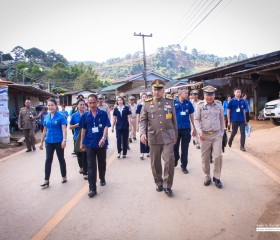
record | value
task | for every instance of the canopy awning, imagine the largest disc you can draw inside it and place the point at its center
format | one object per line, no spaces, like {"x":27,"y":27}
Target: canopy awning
{"x":112,"y":87}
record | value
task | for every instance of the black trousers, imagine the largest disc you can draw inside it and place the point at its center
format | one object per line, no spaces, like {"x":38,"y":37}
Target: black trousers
{"x":184,"y":136}
{"x":82,"y":161}
{"x":235,"y":126}
{"x":122,"y":140}
{"x":95,"y":155}
{"x":50,"y":148}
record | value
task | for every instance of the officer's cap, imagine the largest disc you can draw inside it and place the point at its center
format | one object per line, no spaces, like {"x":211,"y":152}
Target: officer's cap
{"x":80,"y":96}
{"x":123,"y":95}
{"x":100,"y":96}
{"x":158,"y":83}
{"x":194,"y":92}
{"x":149,"y":94}
{"x":131,"y":98}
{"x":209,"y":90}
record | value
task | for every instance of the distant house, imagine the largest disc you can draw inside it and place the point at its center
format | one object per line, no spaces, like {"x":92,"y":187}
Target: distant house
{"x":133,"y":85}
{"x":259,"y":77}
{"x":69,"y":98}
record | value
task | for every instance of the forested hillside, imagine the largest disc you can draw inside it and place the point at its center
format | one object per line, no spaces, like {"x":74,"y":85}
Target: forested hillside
{"x":51,"y":69}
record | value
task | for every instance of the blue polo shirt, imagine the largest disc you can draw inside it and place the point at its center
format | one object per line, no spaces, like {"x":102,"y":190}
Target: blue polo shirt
{"x":237,"y":108}
{"x":54,"y":127}
{"x":76,"y":117}
{"x":183,"y":111}
{"x":94,"y":127}
{"x":225,"y":106}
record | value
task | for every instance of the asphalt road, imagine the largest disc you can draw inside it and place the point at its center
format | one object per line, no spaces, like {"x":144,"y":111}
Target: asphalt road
{"x":129,"y":207}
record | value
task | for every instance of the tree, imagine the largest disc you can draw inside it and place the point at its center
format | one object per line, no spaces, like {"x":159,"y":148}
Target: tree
{"x":53,"y":57}
{"x":19,"y":53}
{"x":36,"y":55}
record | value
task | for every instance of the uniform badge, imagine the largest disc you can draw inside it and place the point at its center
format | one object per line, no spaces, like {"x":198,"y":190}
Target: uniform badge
{"x":100,"y":125}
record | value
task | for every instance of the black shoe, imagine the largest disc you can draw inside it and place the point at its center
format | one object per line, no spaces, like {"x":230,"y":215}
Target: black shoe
{"x":128,"y":148}
{"x":229,"y":143}
{"x":142,"y":158}
{"x":176,"y":163}
{"x":193,"y":142}
{"x":168,"y":191}
{"x":119,"y":156}
{"x":73,"y":153}
{"x":85,"y":177}
{"x":45,"y":185}
{"x":92,"y":193}
{"x":207,"y":182}
{"x":159,"y":188}
{"x":130,"y":140}
{"x":217,"y":182}
{"x":124,"y":156}
{"x":185,"y":171}
{"x":211,"y":160}
{"x":102,"y":183}
{"x":64,"y":180}
{"x":134,"y":138}
{"x":28,"y":150}
{"x":33,"y":148}
{"x":243,"y":149}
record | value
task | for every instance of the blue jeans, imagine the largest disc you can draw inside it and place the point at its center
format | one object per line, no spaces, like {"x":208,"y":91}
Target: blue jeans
{"x":184,"y":136}
{"x":50,"y":148}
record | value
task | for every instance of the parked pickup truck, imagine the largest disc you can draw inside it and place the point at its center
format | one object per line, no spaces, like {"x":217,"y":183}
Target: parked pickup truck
{"x":272,"y":111}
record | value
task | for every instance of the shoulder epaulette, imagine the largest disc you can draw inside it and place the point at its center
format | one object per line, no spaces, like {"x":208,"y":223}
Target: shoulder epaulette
{"x":218,"y":101}
{"x":169,"y":98}
{"x":199,"y":102}
{"x":148,"y":99}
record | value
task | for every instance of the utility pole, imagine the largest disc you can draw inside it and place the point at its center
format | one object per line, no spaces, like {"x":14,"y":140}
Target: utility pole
{"x":144,"y":55}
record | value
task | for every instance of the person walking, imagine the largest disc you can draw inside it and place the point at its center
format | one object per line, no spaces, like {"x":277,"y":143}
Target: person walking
{"x":26,"y":121}
{"x":94,"y":134}
{"x":121,"y":119}
{"x":75,"y":125}
{"x":41,"y":117}
{"x":225,"y":106}
{"x":194,"y":100}
{"x":133,"y":116}
{"x":54,"y":134}
{"x":247,"y":109}
{"x":103,"y":106}
{"x":237,"y":117}
{"x":144,"y":148}
{"x":209,"y":123}
{"x":184,"y":116}
{"x":159,"y":116}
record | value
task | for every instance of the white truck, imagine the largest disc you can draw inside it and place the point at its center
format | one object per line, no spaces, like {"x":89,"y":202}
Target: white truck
{"x":272,"y":111}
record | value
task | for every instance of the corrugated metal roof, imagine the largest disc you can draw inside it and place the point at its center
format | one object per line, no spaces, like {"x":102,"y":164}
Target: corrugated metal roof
{"x":112,"y":87}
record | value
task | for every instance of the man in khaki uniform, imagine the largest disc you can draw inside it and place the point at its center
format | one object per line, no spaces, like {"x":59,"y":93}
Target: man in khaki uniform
{"x":26,"y":121}
{"x":158,"y":114}
{"x":103,"y":106}
{"x":133,"y":108}
{"x":194,"y":100}
{"x":209,"y":123}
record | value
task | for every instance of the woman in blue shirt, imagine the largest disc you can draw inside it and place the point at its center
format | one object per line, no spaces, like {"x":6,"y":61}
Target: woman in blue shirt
{"x":75,"y":125}
{"x":121,"y":119}
{"x":54,"y":134}
{"x":225,"y":106}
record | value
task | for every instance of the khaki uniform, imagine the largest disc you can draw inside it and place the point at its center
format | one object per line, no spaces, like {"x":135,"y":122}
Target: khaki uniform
{"x":209,"y":120}
{"x":133,"y":118}
{"x":106,"y":108}
{"x":27,"y":120}
{"x":160,"y":118}
{"x":196,"y":137}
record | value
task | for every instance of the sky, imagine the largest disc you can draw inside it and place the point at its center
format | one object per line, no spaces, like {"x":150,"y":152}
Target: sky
{"x":97,"y":30}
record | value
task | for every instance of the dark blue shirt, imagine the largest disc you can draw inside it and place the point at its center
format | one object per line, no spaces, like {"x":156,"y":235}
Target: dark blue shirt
{"x":76,"y":117}
{"x":237,"y":109}
{"x":183,"y":111}
{"x":122,"y":118}
{"x":225,"y":106}
{"x":94,"y":127}
{"x":54,"y":127}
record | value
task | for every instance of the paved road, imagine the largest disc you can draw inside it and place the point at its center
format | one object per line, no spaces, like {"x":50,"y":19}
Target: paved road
{"x":128,"y":207}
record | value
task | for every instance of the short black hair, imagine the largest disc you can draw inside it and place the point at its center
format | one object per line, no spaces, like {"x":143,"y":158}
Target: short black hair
{"x":80,"y":100}
{"x":92,"y":95}
{"x":52,"y":100}
{"x":237,"y":88}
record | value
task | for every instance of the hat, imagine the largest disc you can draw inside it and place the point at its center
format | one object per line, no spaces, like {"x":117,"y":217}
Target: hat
{"x":194,"y":92}
{"x":80,"y":96}
{"x":149,"y":94}
{"x":123,"y":95}
{"x":131,"y":98}
{"x":209,"y":90}
{"x":158,"y":83}
{"x":100,"y":96}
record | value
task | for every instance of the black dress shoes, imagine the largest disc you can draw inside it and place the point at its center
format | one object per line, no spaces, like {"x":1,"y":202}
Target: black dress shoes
{"x":207,"y":182}
{"x":92,"y":193}
{"x":102,"y":183}
{"x":217,"y":182}
{"x":229,"y":143}
{"x":159,"y":188}
{"x":243,"y":149}
{"x":28,"y":150}
{"x":45,"y":184}
{"x":185,"y":171}
{"x":168,"y":191}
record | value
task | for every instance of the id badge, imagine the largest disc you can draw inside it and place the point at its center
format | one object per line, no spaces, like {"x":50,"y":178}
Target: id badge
{"x":95,"y":130}
{"x":238,"y":110}
{"x":183,"y":113}
{"x":168,"y":115}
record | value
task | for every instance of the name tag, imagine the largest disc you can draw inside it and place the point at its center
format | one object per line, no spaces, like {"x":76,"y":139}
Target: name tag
{"x":183,"y":113}
{"x":168,"y":115}
{"x":95,"y":130}
{"x":238,"y":110}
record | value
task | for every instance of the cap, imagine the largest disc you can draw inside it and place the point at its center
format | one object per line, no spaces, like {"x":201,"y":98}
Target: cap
{"x":100,"y":96}
{"x":149,"y":94}
{"x":158,"y":83}
{"x":80,"y":96}
{"x":209,"y":90}
{"x":122,"y":95}
{"x":194,"y":92}
{"x":131,"y":98}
